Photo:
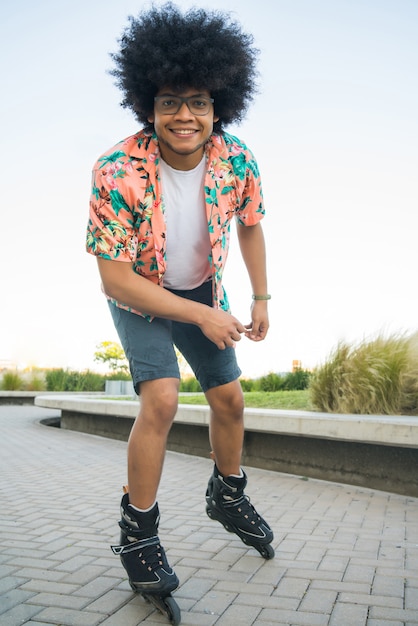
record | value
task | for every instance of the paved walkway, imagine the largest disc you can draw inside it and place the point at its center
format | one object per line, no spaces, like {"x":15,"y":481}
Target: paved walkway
{"x":345,"y":556}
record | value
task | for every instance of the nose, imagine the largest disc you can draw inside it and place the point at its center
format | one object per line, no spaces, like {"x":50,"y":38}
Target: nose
{"x":184,"y":111}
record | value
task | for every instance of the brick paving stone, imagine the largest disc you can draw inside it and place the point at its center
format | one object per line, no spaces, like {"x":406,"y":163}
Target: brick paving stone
{"x":255,"y":588}
{"x":388,"y":586}
{"x":131,"y":614}
{"x":14,"y":597}
{"x":59,"y":600}
{"x":39,"y":573}
{"x":97,"y":587}
{"x":84,"y":575}
{"x":295,"y":618}
{"x":387,"y":613}
{"x":241,"y":615}
{"x":11,"y":582}
{"x":215,"y":575}
{"x":110,"y":601}
{"x":379,"y":622}
{"x":345,"y":556}
{"x":40,"y":586}
{"x":411,"y":598}
{"x":195,"y":588}
{"x":69,"y":617}
{"x":358,"y":598}
{"x":215,"y":602}
{"x":359,"y":573}
{"x":31,"y":623}
{"x":318,"y":601}
{"x":19,"y":615}
{"x":191,"y":619}
{"x":349,"y":615}
{"x":289,"y":587}
{"x":341,"y":586}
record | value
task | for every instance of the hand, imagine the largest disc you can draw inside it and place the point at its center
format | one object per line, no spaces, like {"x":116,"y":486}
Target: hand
{"x":222,"y":328}
{"x":257,"y":330}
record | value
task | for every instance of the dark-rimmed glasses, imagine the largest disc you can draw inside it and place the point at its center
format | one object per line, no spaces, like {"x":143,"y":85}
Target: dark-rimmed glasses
{"x":170,"y":105}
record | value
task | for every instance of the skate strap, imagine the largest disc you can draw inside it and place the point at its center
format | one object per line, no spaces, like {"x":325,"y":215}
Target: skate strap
{"x":135,"y":545}
{"x":138,"y":533}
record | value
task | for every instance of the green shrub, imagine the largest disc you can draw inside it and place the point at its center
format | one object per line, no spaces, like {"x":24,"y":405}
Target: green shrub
{"x":292,"y":381}
{"x":374,"y":377}
{"x":297,"y":380}
{"x":68,"y":380}
{"x":190,"y":385}
{"x":247,"y":384}
{"x":118,"y":375}
{"x":91,"y":381}
{"x":11,"y":381}
{"x":271,"y":382}
{"x":36,"y":383}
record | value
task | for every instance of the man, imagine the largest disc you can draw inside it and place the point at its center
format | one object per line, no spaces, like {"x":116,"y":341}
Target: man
{"x":161,"y":208}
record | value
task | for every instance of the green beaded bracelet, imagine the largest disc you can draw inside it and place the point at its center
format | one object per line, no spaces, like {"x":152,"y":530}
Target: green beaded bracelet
{"x":266,"y":297}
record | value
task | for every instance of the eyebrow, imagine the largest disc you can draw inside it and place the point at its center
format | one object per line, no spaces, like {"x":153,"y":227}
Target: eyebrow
{"x":176,"y":95}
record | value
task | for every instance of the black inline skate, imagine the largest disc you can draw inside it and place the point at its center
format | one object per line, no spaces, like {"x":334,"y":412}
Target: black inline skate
{"x":227,"y":503}
{"x":145,"y":561}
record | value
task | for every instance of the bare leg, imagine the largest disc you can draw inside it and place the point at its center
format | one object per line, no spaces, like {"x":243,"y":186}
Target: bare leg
{"x":227,"y":426}
{"x":147,"y":441}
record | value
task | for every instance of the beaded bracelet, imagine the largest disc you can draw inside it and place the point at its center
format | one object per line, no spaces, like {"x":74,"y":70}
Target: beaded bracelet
{"x":266,"y":297}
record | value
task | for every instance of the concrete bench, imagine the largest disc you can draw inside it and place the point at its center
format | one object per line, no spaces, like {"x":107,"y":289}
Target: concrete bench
{"x":374,"y":451}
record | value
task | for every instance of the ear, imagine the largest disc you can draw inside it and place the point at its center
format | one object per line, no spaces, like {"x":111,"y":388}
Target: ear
{"x":151,"y":118}
{"x":215,"y":119}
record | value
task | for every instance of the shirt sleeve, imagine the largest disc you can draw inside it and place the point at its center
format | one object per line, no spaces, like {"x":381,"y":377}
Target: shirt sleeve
{"x":110,"y":232}
{"x":251,"y":208}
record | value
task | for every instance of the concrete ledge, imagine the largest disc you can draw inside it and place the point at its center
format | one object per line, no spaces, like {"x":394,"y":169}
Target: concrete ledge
{"x":379,"y":452}
{"x":18,"y":397}
{"x":28,"y":397}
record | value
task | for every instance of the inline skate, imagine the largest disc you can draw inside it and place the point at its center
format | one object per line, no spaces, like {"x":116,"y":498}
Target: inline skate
{"x":227,"y":503}
{"x":144,"y":559}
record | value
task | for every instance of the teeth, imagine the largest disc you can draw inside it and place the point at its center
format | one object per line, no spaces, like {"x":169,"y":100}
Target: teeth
{"x":184,"y":132}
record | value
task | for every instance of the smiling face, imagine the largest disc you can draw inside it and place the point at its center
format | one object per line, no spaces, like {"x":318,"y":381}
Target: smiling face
{"x":183,"y":135}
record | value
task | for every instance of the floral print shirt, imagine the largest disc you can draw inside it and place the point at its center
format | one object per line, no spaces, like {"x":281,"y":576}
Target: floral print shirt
{"x":127,"y":221}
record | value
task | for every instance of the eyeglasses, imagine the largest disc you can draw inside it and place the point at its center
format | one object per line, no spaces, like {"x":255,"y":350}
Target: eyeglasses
{"x":170,"y":105}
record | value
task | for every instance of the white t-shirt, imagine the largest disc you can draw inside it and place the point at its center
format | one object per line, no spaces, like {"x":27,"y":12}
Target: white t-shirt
{"x":188,"y":245}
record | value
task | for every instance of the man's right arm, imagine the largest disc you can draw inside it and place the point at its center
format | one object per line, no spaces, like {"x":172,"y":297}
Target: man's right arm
{"x":121,"y":283}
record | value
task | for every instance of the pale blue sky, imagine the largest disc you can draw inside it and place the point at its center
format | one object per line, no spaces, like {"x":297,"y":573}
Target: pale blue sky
{"x":335,"y":132}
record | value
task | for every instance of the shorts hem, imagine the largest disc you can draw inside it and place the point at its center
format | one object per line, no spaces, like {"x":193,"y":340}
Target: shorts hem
{"x":211,"y":384}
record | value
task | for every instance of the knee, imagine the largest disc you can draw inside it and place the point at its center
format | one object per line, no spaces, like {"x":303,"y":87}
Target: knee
{"x":158,"y":406}
{"x":235,"y":406}
{"x":229,"y":404}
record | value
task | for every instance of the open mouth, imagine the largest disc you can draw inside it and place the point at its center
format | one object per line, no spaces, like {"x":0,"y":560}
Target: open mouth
{"x":183,"y":132}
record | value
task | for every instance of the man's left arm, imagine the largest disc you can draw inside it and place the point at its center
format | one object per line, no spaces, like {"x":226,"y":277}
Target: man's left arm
{"x":253,"y":250}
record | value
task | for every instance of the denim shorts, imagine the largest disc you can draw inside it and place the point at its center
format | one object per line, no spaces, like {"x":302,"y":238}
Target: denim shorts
{"x":149,"y":346}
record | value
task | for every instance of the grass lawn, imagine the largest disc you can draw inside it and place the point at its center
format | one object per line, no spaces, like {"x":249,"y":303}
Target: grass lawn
{"x":293,"y":400}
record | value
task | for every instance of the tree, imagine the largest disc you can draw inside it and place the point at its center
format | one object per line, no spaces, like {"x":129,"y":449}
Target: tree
{"x":111,"y":353}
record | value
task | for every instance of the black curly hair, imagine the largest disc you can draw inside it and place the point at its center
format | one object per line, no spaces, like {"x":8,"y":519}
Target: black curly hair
{"x":164,"y":47}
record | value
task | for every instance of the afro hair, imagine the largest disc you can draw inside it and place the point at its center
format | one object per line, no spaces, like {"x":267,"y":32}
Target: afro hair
{"x":164,"y":47}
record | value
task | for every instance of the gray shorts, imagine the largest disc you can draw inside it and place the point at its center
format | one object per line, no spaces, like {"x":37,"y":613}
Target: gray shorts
{"x":149,"y":346}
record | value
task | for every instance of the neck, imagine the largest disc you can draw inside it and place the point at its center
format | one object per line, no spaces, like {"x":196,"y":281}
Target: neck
{"x":181,"y":162}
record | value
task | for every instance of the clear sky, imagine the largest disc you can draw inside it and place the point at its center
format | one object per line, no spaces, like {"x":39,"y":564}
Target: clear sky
{"x":335,"y":131}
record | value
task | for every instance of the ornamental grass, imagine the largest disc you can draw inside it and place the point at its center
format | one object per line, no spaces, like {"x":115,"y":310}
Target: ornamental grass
{"x":378,"y":377}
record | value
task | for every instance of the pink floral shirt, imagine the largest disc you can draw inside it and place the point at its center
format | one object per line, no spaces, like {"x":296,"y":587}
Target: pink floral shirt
{"x":127,"y":221}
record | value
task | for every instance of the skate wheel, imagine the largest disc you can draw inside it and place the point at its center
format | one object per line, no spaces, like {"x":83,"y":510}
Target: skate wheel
{"x":173,"y":610}
{"x":166,"y":605}
{"x":267,"y":551}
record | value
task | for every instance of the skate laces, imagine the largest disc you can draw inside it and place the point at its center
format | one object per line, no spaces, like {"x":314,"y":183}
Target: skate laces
{"x":152,"y":555}
{"x":243,"y":506}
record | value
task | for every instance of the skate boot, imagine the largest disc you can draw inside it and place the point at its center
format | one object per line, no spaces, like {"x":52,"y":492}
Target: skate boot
{"x":144,"y":559}
{"x":227,"y":503}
